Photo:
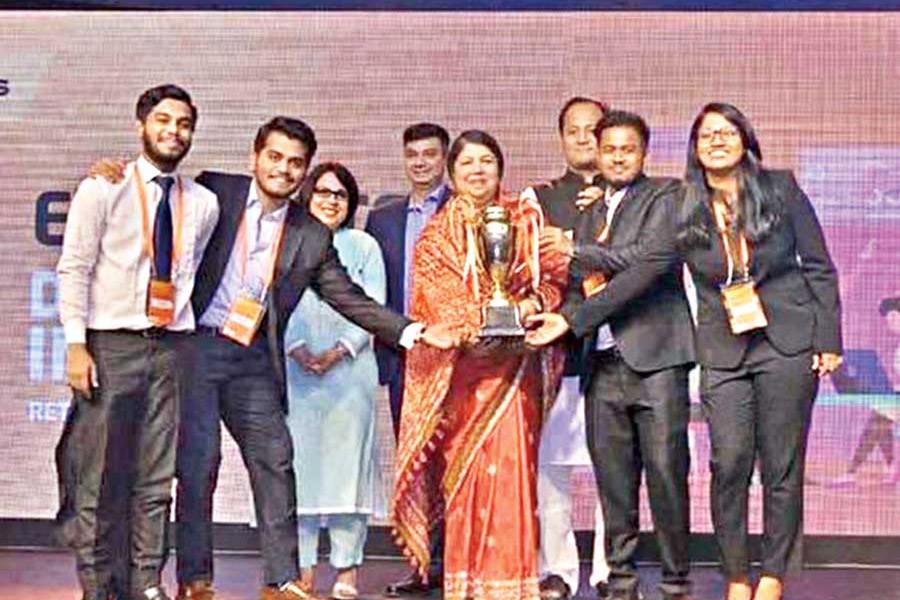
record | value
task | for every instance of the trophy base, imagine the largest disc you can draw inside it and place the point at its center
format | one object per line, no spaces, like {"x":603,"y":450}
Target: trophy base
{"x":502,"y":321}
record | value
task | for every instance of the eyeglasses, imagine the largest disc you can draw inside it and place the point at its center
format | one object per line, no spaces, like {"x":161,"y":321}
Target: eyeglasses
{"x":726,"y":134}
{"x":325,"y":193}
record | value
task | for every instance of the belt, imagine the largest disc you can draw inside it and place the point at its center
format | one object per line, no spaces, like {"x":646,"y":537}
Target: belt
{"x":149,"y":333}
{"x":607,"y":354}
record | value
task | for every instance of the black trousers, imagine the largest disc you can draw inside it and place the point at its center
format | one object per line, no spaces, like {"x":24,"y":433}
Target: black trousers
{"x":762,"y":408}
{"x":116,"y":460}
{"x":239,"y":385}
{"x":638,"y":421}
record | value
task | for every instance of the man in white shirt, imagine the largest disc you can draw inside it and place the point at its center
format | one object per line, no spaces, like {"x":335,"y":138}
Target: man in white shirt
{"x":126,"y":275}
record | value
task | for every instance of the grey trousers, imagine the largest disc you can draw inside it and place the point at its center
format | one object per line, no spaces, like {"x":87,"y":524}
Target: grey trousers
{"x":116,"y":462}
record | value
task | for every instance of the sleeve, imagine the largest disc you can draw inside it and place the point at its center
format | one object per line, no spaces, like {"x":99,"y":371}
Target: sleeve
{"x":334,"y":286}
{"x":817,"y":267}
{"x":85,"y":224}
{"x":658,"y":256}
{"x":373,"y":283}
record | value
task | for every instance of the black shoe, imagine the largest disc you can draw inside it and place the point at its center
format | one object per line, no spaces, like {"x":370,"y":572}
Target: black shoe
{"x":554,"y":588}
{"x":602,"y":589}
{"x":413,"y":585}
{"x":635,"y":595}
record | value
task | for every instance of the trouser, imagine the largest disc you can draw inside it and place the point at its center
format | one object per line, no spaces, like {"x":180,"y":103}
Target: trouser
{"x":559,"y":552}
{"x":346,"y":532}
{"x":239,"y":384}
{"x":638,"y":421}
{"x":762,"y":408}
{"x":118,"y":459}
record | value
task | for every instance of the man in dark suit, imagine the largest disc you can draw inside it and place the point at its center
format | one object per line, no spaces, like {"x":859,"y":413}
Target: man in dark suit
{"x":638,"y":351}
{"x":396,"y":223}
{"x":563,"y":444}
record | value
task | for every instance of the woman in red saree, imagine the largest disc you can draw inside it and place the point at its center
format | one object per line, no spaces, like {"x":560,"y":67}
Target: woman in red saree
{"x":471,"y":415}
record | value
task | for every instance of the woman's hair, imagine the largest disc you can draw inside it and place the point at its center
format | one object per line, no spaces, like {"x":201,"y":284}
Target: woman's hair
{"x":474,"y":136}
{"x":760,"y":205}
{"x":344,"y":176}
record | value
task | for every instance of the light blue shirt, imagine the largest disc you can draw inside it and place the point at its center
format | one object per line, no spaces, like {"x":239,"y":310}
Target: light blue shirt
{"x":417,"y":217}
{"x":261,"y":232}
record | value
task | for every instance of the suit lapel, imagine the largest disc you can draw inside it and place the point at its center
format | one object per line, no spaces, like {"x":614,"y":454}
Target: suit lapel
{"x":231,"y":219}
{"x":290,"y":241}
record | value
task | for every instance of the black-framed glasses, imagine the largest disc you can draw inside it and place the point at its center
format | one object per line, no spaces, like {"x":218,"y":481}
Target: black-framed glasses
{"x":327,"y":193}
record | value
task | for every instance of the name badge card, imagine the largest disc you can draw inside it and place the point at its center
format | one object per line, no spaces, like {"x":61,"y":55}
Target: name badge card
{"x":243,"y":320}
{"x":161,"y":303}
{"x":743,"y":307}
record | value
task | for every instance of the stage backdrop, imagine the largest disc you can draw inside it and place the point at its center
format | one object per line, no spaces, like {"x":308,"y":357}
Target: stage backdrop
{"x":822,"y":89}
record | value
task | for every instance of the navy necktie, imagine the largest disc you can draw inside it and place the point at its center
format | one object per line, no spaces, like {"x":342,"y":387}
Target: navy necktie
{"x":162,"y":231}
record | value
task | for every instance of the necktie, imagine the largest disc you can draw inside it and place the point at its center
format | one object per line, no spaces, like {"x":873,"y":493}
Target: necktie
{"x":162,"y":231}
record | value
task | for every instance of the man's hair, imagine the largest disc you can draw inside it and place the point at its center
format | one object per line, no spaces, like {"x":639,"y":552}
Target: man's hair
{"x":621,"y":118}
{"x":423,"y":131}
{"x":578,"y":100}
{"x":292,"y":128}
{"x":887,"y":305}
{"x":149,"y":99}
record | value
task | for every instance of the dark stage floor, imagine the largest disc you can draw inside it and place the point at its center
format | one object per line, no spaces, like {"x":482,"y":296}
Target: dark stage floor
{"x":50,"y":576}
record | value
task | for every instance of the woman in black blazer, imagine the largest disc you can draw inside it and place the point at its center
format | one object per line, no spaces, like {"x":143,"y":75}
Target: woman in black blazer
{"x":768,"y":326}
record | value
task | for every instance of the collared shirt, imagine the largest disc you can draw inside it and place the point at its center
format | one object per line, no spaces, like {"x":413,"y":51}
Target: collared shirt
{"x":417,"y":217}
{"x":605,"y":339}
{"x":261,"y":231}
{"x":104,"y":272}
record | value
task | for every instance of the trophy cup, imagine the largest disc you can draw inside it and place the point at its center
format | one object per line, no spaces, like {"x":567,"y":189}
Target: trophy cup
{"x":501,"y":316}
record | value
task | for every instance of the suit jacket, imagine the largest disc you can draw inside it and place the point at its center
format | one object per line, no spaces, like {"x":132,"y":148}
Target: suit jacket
{"x":306,"y":258}
{"x":557,"y":200}
{"x":387,"y":224}
{"x":644,"y":303}
{"x":795,"y":278}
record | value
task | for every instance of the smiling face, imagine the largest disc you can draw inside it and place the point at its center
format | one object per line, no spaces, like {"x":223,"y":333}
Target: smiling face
{"x":424,"y":162}
{"x":329,"y":202}
{"x":579,"y":144}
{"x":166,"y":133}
{"x":476,"y":172}
{"x":719,"y":145}
{"x":621,"y":157}
{"x":280,"y":165}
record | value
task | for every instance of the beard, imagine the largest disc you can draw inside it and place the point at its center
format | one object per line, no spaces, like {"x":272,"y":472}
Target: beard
{"x":166,"y":161}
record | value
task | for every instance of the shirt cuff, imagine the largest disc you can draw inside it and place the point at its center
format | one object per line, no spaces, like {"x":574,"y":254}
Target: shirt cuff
{"x":75,"y":331}
{"x":294,"y":346}
{"x":411,"y":334}
{"x":348,"y":347}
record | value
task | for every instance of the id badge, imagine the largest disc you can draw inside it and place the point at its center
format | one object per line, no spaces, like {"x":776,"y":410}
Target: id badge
{"x":243,"y":320}
{"x":743,"y":306}
{"x":593,"y":284}
{"x":161,"y":303}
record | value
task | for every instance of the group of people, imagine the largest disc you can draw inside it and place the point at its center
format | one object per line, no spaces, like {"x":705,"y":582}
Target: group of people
{"x":252,"y":301}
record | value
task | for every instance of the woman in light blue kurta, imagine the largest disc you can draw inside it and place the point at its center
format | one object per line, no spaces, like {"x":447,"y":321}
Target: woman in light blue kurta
{"x":332,"y":379}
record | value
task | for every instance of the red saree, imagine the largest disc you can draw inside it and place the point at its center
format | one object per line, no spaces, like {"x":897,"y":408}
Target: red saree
{"x":470,"y":423}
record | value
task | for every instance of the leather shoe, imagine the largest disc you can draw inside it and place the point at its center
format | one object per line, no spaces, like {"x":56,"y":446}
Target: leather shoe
{"x":292,"y":590}
{"x":602,"y":589}
{"x":413,"y":585}
{"x":554,"y":588}
{"x":196,"y":590}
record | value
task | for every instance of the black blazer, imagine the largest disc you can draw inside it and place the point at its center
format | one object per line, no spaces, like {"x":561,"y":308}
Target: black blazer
{"x":644,"y":303}
{"x":387,"y":224}
{"x":307,"y":259}
{"x":795,"y":278}
{"x":557,"y":200}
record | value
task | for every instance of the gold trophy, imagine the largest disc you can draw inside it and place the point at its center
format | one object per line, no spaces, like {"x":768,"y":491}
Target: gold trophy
{"x":501,"y":315}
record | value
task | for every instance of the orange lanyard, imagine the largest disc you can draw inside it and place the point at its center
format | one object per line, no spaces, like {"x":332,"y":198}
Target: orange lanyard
{"x":605,"y":232}
{"x":243,"y":238}
{"x":145,"y":220}
{"x":722,"y":214}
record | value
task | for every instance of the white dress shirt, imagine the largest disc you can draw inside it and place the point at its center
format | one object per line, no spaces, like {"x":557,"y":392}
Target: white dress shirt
{"x":104,"y":272}
{"x":605,"y":339}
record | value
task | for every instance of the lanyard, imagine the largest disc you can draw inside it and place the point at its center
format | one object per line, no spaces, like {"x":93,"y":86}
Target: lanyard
{"x":243,"y":239}
{"x":611,"y":209}
{"x":728,"y":241}
{"x":145,"y":220}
